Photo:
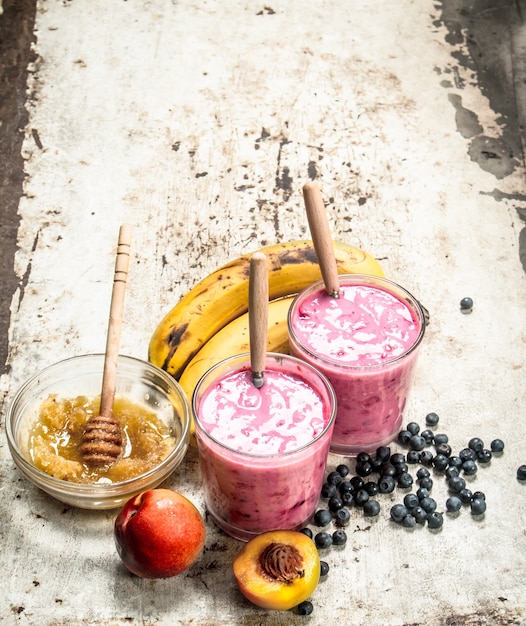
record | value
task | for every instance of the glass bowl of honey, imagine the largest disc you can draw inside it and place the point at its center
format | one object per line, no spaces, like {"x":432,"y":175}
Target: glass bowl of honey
{"x":46,"y":420}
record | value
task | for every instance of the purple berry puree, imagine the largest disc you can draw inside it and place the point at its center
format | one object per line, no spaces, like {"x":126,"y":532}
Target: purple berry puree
{"x":263,"y":451}
{"x":366,"y":343}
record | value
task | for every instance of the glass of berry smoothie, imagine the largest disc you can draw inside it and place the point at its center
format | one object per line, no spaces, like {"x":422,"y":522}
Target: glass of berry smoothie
{"x":263,"y":452}
{"x":366,"y":342}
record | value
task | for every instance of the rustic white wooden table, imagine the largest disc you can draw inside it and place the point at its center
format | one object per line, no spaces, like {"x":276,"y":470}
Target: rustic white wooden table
{"x":198,"y":123}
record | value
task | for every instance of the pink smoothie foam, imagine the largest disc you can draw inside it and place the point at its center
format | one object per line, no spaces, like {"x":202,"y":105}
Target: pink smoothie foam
{"x":365,"y":342}
{"x":263,"y":451}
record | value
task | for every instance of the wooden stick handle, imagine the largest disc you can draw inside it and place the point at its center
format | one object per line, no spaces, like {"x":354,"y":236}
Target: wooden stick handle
{"x":321,"y":237}
{"x":258,"y":315}
{"x":113,"y":339}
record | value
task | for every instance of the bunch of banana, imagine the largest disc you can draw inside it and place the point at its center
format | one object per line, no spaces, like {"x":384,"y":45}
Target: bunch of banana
{"x":222,"y":297}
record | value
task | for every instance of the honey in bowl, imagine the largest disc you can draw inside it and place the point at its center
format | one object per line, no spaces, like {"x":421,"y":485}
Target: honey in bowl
{"x":54,"y":440}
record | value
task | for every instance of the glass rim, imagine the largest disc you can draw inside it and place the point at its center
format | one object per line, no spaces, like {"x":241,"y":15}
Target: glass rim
{"x":245,"y":358}
{"x":368,"y":279}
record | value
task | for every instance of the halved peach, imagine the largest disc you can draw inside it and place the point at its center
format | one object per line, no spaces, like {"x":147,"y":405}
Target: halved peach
{"x":277,"y":569}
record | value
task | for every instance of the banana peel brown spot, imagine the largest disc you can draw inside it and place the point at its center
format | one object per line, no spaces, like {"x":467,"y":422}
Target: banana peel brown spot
{"x":173,"y":340}
{"x":295,"y":257}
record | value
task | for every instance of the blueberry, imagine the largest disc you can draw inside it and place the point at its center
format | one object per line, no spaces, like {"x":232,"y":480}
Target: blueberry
{"x":413,"y":457}
{"x":444,"y":449}
{"x":322,"y":517}
{"x":411,"y":501}
{"x":386,"y":484}
{"x":484,"y":456}
{"x":521,"y":472}
{"x":476,"y":444}
{"x":363,"y":457}
{"x":347,"y":498}
{"x":401,"y":468}
{"x":345,"y":486}
{"x":423,"y":472}
{"x":428,"y":504}
{"x":357,"y":482}
{"x":335,"y":504}
{"x":453,"y":504}
{"x":397,"y":458}
{"x":398,"y":512}
{"x":323,"y":540}
{"x":339,"y":537}
{"x":440,"y":462}
{"x":435,"y":519}
{"x":376,"y":464}
{"x":469,"y":467}
{"x":456,"y":484}
{"x":413,"y":428}
{"x":426,"y":483}
{"x":342,"y":470}
{"x":361,"y":497}
{"x":455,"y":461}
{"x":371,"y":487}
{"x":426,"y":458}
{"x":388,"y":469}
{"x":342,"y":517}
{"x":364,"y":469}
{"x":432,"y":419}
{"x":451,"y":472}
{"x":383,"y":453}
{"x":324,"y":568}
{"x":479,"y":495}
{"x":466,"y":304}
{"x":307,"y":531}
{"x":422,"y":492}
{"x":497,"y":445}
{"x":405,"y":480}
{"x":409,"y":521}
{"x":440,"y":438}
{"x":371,"y":508}
{"x":334,"y":478}
{"x":428,"y":435}
{"x":328,"y":490}
{"x":305,"y":607}
{"x":404,"y":437}
{"x":478,"y":506}
{"x":419,"y":514}
{"x":417,"y":442}
{"x":467,"y":454}
{"x":465,"y":495}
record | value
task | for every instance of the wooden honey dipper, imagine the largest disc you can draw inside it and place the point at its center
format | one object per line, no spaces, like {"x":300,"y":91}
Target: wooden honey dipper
{"x":101,"y":442}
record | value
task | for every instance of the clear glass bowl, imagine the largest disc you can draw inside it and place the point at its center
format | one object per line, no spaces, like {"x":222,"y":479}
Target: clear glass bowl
{"x":138,"y":381}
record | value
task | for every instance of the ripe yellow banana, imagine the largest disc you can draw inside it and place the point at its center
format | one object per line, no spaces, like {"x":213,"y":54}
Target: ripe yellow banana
{"x":223,"y":296}
{"x":234,"y":339}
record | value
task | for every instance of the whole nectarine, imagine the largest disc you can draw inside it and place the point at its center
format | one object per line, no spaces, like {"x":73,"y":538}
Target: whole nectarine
{"x":159,"y":533}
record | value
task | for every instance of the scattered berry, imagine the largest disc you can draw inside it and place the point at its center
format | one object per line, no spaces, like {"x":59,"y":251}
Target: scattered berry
{"x":342,"y":517}
{"x":453,"y":504}
{"x":339,"y":537}
{"x":324,"y":568}
{"x":478,"y":506}
{"x":409,"y":521}
{"x":411,"y":501}
{"x":469,"y":467}
{"x":307,"y":531}
{"x":305,"y":608}
{"x":323,"y":540}
{"x":432,"y":419}
{"x":328,"y":490}
{"x":371,"y":508}
{"x":466,"y":305}
{"x":322,"y":517}
{"x":476,"y":444}
{"x":398,"y":512}
{"x":497,"y":445}
{"x":334,"y":478}
{"x":386,"y":484}
{"x":343,"y":470}
{"x":435,"y":520}
{"x":521,"y":472}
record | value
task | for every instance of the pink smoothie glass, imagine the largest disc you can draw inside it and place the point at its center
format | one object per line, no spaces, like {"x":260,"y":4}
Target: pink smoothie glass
{"x":366,"y":342}
{"x":263,"y":452}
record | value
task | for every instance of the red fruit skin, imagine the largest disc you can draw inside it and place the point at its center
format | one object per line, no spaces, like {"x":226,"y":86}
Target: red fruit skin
{"x":159,"y":533}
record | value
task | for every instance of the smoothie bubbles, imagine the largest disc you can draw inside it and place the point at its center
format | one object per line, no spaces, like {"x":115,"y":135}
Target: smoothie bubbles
{"x":263,"y":424}
{"x":364,"y":333}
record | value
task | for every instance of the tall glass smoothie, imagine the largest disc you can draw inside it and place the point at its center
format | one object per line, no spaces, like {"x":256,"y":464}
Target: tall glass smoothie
{"x":366,"y":342}
{"x":263,"y":452}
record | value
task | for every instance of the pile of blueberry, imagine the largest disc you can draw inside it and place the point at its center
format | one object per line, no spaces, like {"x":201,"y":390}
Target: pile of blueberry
{"x":384,"y":471}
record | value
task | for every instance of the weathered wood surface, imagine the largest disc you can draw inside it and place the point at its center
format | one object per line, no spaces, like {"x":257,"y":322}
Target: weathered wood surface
{"x":198,"y":123}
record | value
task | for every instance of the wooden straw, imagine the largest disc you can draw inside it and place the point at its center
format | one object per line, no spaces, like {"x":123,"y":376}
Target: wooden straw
{"x":258,"y":316}
{"x":113,"y":338}
{"x":321,"y":237}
